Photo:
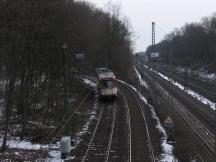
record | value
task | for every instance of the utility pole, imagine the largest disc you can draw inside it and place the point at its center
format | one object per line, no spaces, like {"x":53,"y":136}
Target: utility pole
{"x":65,"y":78}
{"x":153,"y":34}
{"x":66,"y":104}
{"x":153,"y":49}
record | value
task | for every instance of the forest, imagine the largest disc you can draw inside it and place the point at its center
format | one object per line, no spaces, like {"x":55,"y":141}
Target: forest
{"x":39,"y":40}
{"x":192,"y":45}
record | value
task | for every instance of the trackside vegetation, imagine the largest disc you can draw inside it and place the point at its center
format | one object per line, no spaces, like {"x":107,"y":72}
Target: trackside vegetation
{"x":38,"y":43}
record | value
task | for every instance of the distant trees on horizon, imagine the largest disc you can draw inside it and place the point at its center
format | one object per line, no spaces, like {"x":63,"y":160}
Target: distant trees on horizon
{"x":194,"y":44}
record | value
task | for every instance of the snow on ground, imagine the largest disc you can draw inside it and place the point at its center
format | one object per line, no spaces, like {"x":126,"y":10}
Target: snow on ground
{"x":23,"y":144}
{"x":56,"y":157}
{"x":89,"y":82}
{"x":85,"y":128}
{"x":17,"y":143}
{"x":54,"y":149}
{"x":180,"y":70}
{"x":206,"y":76}
{"x":194,"y":94}
{"x":142,"y":82}
{"x":167,"y":156}
{"x":168,"y":149}
{"x":201,"y":73}
{"x":55,"y":154}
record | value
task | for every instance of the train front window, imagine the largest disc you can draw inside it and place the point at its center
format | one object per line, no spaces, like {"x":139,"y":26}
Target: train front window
{"x":109,"y":84}
{"x":106,"y":84}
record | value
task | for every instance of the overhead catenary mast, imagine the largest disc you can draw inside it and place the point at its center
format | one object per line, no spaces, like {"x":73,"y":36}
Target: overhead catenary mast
{"x":153,"y":34}
{"x":153,"y":50}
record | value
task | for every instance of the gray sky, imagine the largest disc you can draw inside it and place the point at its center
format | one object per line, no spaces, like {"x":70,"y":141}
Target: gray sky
{"x":167,"y":14}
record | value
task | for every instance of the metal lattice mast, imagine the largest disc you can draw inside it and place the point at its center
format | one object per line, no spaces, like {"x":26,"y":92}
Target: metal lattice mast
{"x":153,"y":49}
{"x":153,"y":34}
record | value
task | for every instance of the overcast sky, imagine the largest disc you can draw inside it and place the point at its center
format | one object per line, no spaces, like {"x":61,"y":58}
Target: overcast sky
{"x":167,"y":14}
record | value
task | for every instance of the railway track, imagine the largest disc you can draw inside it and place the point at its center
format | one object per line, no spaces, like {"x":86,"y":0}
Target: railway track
{"x":205,"y":114}
{"x":100,"y":144}
{"x":206,"y":89}
{"x":140,"y":145}
{"x":202,"y":132}
{"x":121,"y":132}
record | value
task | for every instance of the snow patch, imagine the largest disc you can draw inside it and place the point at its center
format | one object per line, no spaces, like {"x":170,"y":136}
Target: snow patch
{"x":85,"y":128}
{"x":89,"y":82}
{"x":142,"y":82}
{"x":180,"y":70}
{"x":56,"y":156}
{"x":54,"y":149}
{"x":23,"y":144}
{"x":202,"y":73}
{"x":168,"y":149}
{"x":209,"y":77}
{"x":194,"y":94}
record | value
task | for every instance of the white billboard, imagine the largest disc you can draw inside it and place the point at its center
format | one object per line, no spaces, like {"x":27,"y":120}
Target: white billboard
{"x":154,"y":54}
{"x":80,"y":56}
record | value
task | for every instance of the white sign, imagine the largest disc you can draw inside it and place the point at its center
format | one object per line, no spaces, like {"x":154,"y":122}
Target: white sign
{"x":155,"y":54}
{"x":168,"y":122}
{"x":80,"y":55}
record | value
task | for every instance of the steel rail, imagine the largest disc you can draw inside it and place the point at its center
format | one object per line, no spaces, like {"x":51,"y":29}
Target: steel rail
{"x":203,"y":107}
{"x":193,"y":122}
{"x":205,"y":90}
{"x":202,"y":137}
{"x":129,"y":123}
{"x":96,"y":129}
{"x":144,"y":118}
{"x":146,"y":126}
{"x":111,"y":134}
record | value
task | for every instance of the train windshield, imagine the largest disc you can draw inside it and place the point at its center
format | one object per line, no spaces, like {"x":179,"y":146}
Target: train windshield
{"x":106,"y":84}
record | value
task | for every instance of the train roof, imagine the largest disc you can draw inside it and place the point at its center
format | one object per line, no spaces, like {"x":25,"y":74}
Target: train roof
{"x":104,"y":73}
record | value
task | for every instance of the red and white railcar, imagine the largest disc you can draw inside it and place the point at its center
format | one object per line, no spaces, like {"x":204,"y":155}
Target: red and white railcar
{"x":106,"y":82}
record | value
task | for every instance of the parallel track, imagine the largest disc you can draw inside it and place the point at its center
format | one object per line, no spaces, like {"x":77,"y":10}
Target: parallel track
{"x":200,"y":130}
{"x":140,"y":146}
{"x":204,"y":134}
{"x":204,"y":88}
{"x":205,"y":114}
